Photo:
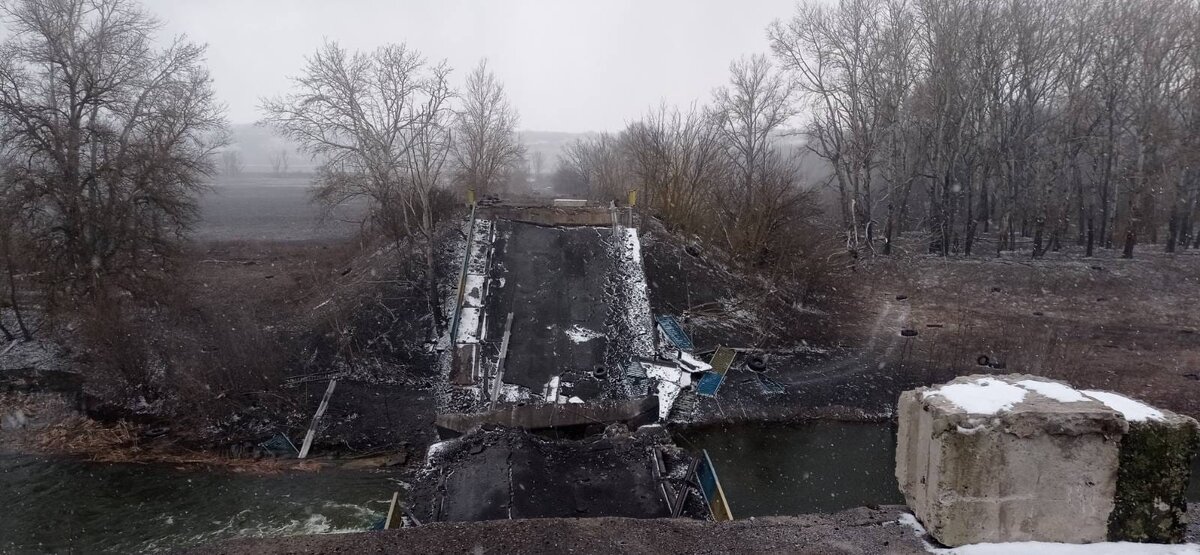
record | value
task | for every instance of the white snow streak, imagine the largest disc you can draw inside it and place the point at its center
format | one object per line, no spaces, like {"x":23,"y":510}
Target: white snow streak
{"x":1049,"y":548}
{"x":983,"y":396}
{"x":580,"y":334}
{"x":1134,"y":411}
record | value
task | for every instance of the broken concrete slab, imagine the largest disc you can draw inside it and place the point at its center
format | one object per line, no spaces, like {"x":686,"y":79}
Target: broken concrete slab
{"x":555,"y":290}
{"x":551,"y":215}
{"x":503,"y":473}
{"x":633,"y":413}
{"x":1023,"y":458}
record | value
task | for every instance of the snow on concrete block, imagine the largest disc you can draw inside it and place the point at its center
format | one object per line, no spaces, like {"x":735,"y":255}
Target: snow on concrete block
{"x":984,"y":459}
{"x":570,"y":202}
{"x":1022,"y":458}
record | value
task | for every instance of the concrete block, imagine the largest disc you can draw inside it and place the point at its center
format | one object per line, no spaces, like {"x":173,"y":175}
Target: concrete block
{"x":1011,"y":465}
{"x":1023,"y":458}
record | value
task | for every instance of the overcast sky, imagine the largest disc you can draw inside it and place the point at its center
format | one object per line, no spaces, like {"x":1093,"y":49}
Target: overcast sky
{"x":568,"y":66}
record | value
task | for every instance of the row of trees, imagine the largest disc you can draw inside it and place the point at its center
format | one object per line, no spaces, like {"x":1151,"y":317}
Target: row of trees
{"x":720,"y":170}
{"x":996,"y":120}
{"x":107,"y":139}
{"x":388,"y":127}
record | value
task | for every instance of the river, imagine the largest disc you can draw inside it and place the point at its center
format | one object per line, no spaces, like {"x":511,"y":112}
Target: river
{"x":58,"y":505}
{"x":814,"y":467}
{"x":53,"y":505}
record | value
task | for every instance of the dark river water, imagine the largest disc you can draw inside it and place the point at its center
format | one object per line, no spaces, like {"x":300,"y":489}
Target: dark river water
{"x":66,"y":505}
{"x":814,"y":467}
{"x":804,"y":468}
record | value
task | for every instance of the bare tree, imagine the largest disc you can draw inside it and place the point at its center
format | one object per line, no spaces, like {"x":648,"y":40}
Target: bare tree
{"x":108,"y":137}
{"x":378,"y":122}
{"x":854,"y":66}
{"x":752,"y":110}
{"x":679,"y":161}
{"x":279,"y":162}
{"x":231,"y":163}
{"x":537,"y":162}
{"x":486,"y":144}
{"x":594,"y":166}
{"x":11,"y":207}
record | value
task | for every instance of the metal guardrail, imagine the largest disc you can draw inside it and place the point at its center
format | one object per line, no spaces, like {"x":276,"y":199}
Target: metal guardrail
{"x":462,"y":279}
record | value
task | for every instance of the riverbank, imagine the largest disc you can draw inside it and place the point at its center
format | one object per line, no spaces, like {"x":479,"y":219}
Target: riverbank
{"x":864,"y":530}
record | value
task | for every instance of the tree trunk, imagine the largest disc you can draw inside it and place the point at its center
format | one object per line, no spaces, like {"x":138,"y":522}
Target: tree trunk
{"x":1038,"y":229}
{"x":889,"y":230}
{"x":1091,"y":236}
{"x":12,"y":294}
{"x":8,"y":336}
{"x":435,"y":305}
{"x":1172,"y":229}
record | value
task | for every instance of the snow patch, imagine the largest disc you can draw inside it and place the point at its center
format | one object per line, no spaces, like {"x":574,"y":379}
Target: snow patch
{"x":579,"y":334}
{"x":694,"y":364}
{"x":474,"y":287}
{"x":1048,"y":548}
{"x":1133,"y":411}
{"x":637,"y":316}
{"x":983,"y":396}
{"x":468,"y":325}
{"x":671,"y":381}
{"x":435,"y":450}
{"x":550,"y":390}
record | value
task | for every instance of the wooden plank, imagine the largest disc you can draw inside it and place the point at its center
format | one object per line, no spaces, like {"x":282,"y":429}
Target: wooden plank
{"x":392,"y":516}
{"x":312,"y":428}
{"x":683,"y":490}
{"x":501,"y":359}
{"x":462,"y":278}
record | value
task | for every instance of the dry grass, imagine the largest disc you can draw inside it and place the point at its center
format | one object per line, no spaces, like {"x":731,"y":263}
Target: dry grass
{"x":1126,"y":325}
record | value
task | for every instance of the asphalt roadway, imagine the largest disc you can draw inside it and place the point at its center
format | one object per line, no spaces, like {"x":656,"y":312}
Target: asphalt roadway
{"x":506,"y":474}
{"x":554,"y":281}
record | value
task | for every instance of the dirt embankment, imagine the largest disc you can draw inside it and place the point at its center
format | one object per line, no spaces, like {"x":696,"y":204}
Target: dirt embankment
{"x":267,"y":324}
{"x":1130,"y":326}
{"x":893,"y":323}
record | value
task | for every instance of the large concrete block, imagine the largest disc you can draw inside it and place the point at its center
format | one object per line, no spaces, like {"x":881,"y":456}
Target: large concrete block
{"x":1023,"y":458}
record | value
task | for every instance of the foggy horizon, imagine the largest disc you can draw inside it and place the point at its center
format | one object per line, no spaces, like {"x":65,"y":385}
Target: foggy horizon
{"x":571,"y":68}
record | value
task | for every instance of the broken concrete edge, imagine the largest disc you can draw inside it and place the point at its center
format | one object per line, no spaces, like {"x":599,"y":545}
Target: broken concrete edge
{"x":1125,"y":479}
{"x":633,"y":413}
{"x":1154,"y":466}
{"x":554,"y":216}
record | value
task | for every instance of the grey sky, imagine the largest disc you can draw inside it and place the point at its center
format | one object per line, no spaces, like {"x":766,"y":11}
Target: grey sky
{"x":568,"y":66}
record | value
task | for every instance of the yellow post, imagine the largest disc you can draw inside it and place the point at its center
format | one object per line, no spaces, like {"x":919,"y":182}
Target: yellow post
{"x":471,"y":197}
{"x":632,"y":197}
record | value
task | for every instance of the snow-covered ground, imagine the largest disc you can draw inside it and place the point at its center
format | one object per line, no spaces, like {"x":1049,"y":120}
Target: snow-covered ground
{"x":1048,"y":548}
